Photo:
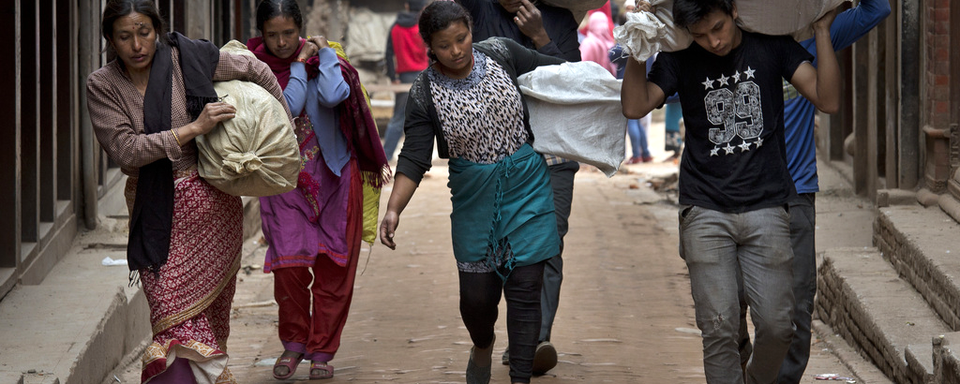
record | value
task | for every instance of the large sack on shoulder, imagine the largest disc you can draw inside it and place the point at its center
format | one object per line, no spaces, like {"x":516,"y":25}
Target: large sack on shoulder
{"x":783,"y":17}
{"x":256,"y":152}
{"x":644,"y":34}
{"x":575,"y":113}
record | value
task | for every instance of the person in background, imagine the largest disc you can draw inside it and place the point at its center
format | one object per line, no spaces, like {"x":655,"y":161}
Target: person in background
{"x":798,"y":119}
{"x":607,"y":10}
{"x":406,"y":56}
{"x":596,"y":46}
{"x":147,"y":105}
{"x":734,"y":182}
{"x":551,"y":31}
{"x":503,"y":226}
{"x":673,"y":138}
{"x":314,"y":232}
{"x":636,"y":128}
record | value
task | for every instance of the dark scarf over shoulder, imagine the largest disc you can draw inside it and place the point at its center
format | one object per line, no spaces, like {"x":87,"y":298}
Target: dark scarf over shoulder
{"x":358,"y":126}
{"x":152,"y":218}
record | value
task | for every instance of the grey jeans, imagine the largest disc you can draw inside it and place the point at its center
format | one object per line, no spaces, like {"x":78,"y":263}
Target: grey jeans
{"x":723,"y":250}
{"x":803,"y":222}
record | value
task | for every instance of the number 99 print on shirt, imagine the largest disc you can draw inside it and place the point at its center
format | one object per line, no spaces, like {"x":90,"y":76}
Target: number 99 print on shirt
{"x":734,"y":159}
{"x":735,"y":111}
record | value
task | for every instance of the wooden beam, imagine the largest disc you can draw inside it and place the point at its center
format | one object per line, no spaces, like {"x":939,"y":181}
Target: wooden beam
{"x":29,"y":121}
{"x":9,"y":149}
{"x":891,"y":92}
{"x":872,"y":128}
{"x":910,"y":58}
{"x":861,"y":127}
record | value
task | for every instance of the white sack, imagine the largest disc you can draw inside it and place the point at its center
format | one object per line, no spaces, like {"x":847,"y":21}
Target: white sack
{"x":644,"y":34}
{"x":575,"y":113}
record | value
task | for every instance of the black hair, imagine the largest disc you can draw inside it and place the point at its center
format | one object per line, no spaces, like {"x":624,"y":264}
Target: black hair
{"x":438,"y":16}
{"x":115,"y":9}
{"x":268,"y":9}
{"x":689,"y":12}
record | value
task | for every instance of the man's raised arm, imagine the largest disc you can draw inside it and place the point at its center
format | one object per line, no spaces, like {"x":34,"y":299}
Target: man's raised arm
{"x":638,"y":96}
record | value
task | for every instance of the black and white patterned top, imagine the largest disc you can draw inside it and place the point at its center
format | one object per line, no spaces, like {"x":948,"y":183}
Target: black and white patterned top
{"x":481,"y":115}
{"x":502,"y":61}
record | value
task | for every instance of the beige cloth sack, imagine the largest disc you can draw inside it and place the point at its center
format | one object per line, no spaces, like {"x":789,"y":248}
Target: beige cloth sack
{"x":644,"y":34}
{"x":783,"y":17}
{"x":254,"y":154}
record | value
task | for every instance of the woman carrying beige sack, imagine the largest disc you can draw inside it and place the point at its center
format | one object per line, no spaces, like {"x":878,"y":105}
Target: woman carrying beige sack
{"x":147,"y":106}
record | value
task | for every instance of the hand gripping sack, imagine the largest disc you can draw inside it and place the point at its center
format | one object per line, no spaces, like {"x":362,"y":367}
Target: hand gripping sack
{"x":575,"y":113}
{"x":255,"y":153}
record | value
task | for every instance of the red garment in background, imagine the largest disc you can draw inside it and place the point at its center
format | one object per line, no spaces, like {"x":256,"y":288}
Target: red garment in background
{"x":409,"y":49}
{"x":596,"y":46}
{"x":606,"y":11}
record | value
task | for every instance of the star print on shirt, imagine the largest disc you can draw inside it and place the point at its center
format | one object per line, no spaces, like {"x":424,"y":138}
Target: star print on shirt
{"x":707,"y":84}
{"x":715,"y":151}
{"x":723,"y":80}
{"x":744,"y":147}
{"x":736,"y":76}
{"x":729,"y":149}
{"x":749,"y":72}
{"x":759,"y":142}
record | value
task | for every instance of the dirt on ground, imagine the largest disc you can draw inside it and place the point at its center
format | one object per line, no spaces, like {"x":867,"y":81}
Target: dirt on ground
{"x":626,"y":314}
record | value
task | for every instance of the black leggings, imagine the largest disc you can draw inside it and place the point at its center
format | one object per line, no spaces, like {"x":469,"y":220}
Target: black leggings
{"x":479,"y":301}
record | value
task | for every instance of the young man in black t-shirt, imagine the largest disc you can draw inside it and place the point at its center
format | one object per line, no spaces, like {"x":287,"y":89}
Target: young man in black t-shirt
{"x":734,"y":182}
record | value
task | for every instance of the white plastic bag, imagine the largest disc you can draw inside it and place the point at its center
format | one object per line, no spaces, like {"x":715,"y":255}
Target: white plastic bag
{"x":256,"y":152}
{"x":575,"y":113}
{"x":644,"y":34}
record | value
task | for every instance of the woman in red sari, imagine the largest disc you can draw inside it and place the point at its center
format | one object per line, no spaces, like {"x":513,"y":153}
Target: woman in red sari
{"x":146,"y":107}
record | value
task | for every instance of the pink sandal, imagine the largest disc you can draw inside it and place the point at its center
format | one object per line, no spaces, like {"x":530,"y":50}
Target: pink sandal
{"x":320,"y":371}
{"x":290,"y":363}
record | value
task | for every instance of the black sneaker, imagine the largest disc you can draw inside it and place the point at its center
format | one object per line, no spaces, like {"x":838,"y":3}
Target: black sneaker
{"x":545,"y":358}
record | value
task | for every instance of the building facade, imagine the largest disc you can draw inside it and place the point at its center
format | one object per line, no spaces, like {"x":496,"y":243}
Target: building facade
{"x":53,"y":169}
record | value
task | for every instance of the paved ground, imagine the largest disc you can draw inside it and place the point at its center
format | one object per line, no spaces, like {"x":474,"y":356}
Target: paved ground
{"x":626,"y":315}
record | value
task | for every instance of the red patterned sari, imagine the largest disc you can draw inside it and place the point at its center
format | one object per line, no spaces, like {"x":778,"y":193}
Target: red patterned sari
{"x":191,"y":295}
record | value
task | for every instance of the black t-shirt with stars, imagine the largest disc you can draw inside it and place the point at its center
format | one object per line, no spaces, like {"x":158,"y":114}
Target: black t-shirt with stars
{"x":734,"y":160}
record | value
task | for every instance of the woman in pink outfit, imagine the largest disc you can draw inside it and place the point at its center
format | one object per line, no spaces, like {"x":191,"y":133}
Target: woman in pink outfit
{"x":599,"y":40}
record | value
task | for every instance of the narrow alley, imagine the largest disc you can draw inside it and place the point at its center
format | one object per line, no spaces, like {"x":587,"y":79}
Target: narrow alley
{"x":626,"y":314}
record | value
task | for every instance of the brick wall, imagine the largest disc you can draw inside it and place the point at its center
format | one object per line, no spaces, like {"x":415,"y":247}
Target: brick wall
{"x":936,"y":109}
